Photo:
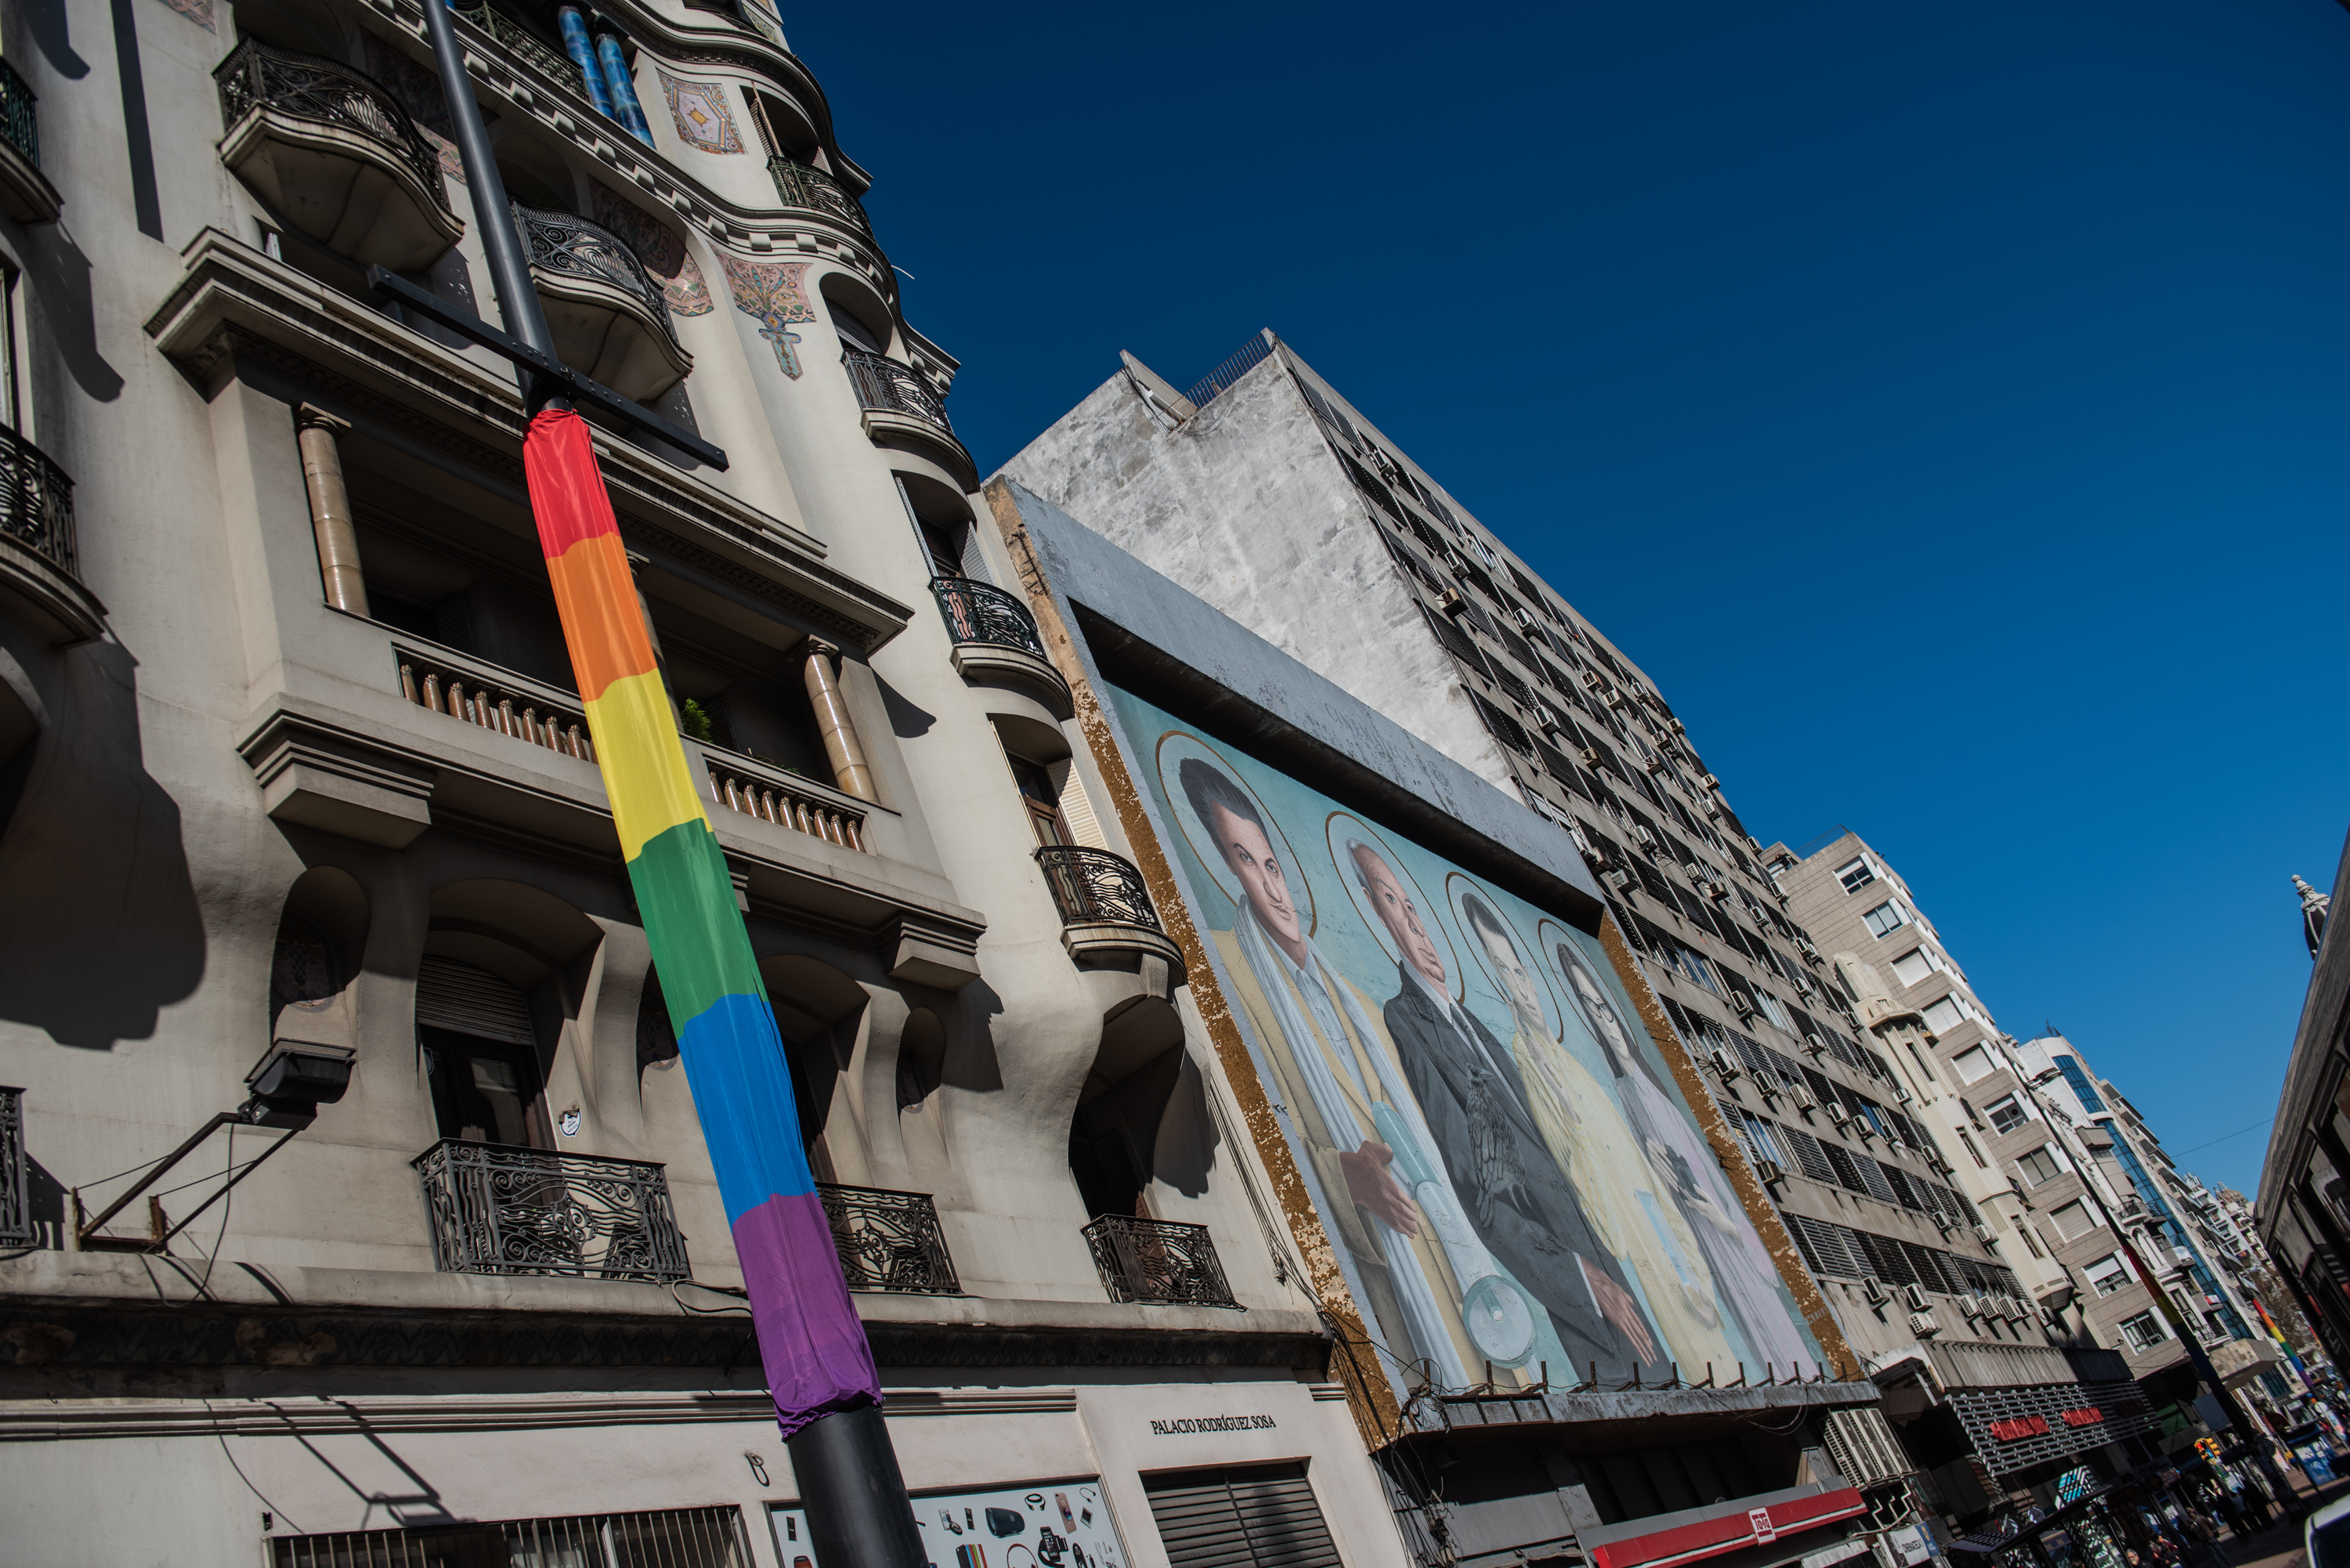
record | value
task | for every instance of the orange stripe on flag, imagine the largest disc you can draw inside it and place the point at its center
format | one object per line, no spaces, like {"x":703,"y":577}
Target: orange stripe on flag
{"x":601,"y":617}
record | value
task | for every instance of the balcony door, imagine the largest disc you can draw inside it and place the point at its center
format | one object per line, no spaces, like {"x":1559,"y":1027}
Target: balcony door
{"x":481,"y":1056}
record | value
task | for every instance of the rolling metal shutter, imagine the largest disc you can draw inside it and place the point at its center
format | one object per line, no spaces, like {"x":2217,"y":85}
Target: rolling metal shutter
{"x":1248,"y":1516}
{"x":452,"y":994}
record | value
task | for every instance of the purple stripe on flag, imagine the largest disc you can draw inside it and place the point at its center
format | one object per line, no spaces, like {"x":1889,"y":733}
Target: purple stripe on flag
{"x":815,"y":1353}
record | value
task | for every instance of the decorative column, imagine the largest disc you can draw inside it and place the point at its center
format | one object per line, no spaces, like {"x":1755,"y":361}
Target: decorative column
{"x":314,"y":430}
{"x":622,"y":86}
{"x":582,"y":50}
{"x":841,"y":745}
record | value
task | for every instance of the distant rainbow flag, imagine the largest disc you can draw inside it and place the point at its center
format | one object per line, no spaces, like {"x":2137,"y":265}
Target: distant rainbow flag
{"x":817,"y":1359}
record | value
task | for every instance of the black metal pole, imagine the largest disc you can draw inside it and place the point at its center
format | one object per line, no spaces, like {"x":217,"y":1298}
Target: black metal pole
{"x":493,"y":212}
{"x":857,"y":1510}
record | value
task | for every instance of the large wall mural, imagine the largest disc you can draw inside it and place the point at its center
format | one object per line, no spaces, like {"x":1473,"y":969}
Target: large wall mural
{"x":1509,"y":1172}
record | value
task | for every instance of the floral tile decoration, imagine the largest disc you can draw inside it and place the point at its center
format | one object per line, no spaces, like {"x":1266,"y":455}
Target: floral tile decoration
{"x":700,"y":110}
{"x":200,"y":12}
{"x":659,"y":248}
{"x":773,"y":293}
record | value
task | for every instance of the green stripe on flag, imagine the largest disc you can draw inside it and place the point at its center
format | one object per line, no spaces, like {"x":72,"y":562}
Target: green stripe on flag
{"x":687,"y":899}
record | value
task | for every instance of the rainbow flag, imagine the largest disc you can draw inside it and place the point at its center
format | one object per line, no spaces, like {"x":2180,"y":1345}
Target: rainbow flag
{"x":817,"y":1360}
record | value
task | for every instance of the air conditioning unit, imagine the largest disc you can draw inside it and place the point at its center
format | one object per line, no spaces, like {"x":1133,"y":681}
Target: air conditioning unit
{"x":1713,"y":810}
{"x":1640,"y":834}
{"x":1901,"y":1092}
{"x":1526,"y":618}
{"x":1915,"y":1296}
{"x":1803,"y":945}
{"x":1679,"y":728}
{"x":1768,"y":1173}
{"x":1942,"y":1166}
{"x":1618,"y":698}
{"x":1838,"y":1114}
{"x":1590,"y":758}
{"x":1923,"y":1325}
{"x":1451,"y":603}
{"x":1591,"y":681}
{"x":1872,"y":1288}
{"x":1985,"y":1234}
{"x":1971,"y":1305}
{"x":1804,"y":1101}
{"x":1747,"y":1010}
{"x":1863,"y":1128}
{"x":1945,"y":1224}
{"x":1620,"y":879}
{"x":2016,"y":1311}
{"x":1711,"y":782}
{"x":1725,"y":1066}
{"x":1718,"y":891}
{"x":1658,"y":765}
{"x":1816,"y":1046}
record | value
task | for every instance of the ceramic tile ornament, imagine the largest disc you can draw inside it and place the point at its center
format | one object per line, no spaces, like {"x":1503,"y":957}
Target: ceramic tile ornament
{"x":659,"y":248}
{"x":700,"y":110}
{"x":773,"y":293}
{"x":200,"y":12}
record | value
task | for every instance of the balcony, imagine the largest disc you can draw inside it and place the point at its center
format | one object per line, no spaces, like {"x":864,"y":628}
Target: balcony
{"x":899,"y":408}
{"x":772,"y":794}
{"x":39,"y":570}
{"x":609,"y":319}
{"x":523,"y":710}
{"x":26,"y":193}
{"x":813,"y":191}
{"x":335,"y":157}
{"x":1107,"y":916}
{"x":499,"y":1209}
{"x":526,"y":46}
{"x":995,"y":640}
{"x":16,"y":1227}
{"x":889,"y":1241}
{"x":1157,"y":1262}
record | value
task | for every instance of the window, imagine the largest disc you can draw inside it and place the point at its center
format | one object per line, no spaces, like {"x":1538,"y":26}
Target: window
{"x":2073,"y":1220}
{"x":1886,"y":917}
{"x":1855,"y":875}
{"x":1773,"y":1010}
{"x":1943,"y":1015}
{"x":2006,"y":1113}
{"x":2040,"y":1165}
{"x":1973,"y":1062}
{"x":689,"y":1537}
{"x":1913,"y":966}
{"x":1247,"y":1513}
{"x":2144,"y":1331}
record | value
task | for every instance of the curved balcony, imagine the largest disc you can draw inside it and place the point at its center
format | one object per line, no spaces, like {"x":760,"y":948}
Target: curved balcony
{"x":39,"y":572}
{"x":888,"y":1240}
{"x":995,"y":640}
{"x":335,"y":157}
{"x":1107,"y":915}
{"x":813,"y":191}
{"x":902,"y":409}
{"x":498,"y":1209}
{"x":26,"y":193}
{"x":609,"y":319}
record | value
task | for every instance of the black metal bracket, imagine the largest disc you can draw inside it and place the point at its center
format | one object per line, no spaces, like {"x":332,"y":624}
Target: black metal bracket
{"x":552,"y":375}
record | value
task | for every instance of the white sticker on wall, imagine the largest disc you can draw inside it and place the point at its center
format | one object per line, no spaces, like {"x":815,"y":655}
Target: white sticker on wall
{"x":1037,"y":1524}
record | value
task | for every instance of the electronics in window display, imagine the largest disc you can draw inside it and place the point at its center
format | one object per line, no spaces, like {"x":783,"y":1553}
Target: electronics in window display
{"x":1037,"y":1524}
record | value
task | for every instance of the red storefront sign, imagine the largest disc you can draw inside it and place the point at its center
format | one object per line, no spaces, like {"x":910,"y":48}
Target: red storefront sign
{"x":2019,"y":1428}
{"x":1728,"y":1532}
{"x":2089,"y":1415}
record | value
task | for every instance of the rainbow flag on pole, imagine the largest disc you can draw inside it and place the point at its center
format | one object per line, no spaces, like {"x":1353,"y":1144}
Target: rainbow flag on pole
{"x":817,"y":1360}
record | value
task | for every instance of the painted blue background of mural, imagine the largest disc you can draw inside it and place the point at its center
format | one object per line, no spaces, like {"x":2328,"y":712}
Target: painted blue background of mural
{"x":1523,"y":1120}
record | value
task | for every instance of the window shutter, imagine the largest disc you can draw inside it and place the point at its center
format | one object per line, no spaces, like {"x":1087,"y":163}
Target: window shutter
{"x":1076,"y":809}
{"x":1256,"y":1516}
{"x":451,"y":995}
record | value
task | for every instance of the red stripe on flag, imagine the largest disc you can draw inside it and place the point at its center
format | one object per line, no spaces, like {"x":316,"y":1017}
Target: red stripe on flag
{"x":567,"y":492}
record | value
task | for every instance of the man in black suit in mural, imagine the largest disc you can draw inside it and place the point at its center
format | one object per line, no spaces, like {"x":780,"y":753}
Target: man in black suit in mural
{"x":1522,"y":1206}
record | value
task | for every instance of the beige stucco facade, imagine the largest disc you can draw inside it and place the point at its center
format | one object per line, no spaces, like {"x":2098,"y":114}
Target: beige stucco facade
{"x":232,"y":811}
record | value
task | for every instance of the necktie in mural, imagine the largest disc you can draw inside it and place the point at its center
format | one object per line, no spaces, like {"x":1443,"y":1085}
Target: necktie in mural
{"x":818,"y":1361}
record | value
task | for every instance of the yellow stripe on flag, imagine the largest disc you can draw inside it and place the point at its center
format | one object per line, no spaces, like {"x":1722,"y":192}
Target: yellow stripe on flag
{"x":645,"y":773}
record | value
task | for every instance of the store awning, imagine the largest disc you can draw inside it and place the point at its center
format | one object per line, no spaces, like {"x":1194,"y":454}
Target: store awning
{"x":1984,"y":1545}
{"x":1699,"y":1539}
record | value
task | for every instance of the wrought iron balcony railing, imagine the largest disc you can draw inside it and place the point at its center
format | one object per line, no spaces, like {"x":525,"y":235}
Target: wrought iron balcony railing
{"x":17,"y":126}
{"x":886,"y":385}
{"x":1095,"y":887}
{"x":499,"y":1209}
{"x":814,"y":191}
{"x":325,"y":92}
{"x":526,"y":46}
{"x":1157,"y":1261}
{"x":982,"y":612}
{"x":575,"y":247}
{"x":16,"y":1228}
{"x":889,"y":1241}
{"x":37,"y":502}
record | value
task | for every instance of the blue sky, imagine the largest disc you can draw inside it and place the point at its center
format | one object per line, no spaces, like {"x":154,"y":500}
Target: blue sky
{"x":1948,"y":406}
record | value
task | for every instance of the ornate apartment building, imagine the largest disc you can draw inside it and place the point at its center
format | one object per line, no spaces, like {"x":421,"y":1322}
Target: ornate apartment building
{"x":1264,"y":492}
{"x":356,"y":1208}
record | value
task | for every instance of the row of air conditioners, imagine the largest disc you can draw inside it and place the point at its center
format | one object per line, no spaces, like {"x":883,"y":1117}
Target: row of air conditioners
{"x":1874,"y":1290}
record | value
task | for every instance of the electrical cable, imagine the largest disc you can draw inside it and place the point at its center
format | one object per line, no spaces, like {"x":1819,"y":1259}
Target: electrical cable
{"x":222,"y":1438}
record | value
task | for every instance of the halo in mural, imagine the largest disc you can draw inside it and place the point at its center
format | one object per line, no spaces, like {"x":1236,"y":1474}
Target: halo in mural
{"x":1177,"y":747}
{"x":1343,"y":829}
{"x":1503,"y":955}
